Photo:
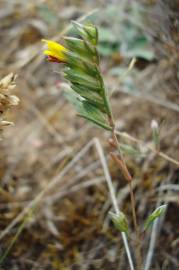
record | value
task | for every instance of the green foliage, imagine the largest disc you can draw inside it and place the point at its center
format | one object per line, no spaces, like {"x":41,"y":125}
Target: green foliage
{"x":155,"y":134}
{"x":47,"y":14}
{"x":88,"y":93}
{"x":87,"y":32}
{"x":139,"y":47}
{"x":120,"y":221}
{"x":82,"y":48}
{"x":87,"y":110}
{"x":123,"y":32}
{"x":129,"y":149}
{"x":155,"y":214}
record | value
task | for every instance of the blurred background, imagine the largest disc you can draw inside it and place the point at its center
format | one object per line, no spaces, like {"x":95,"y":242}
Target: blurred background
{"x":70,"y":227}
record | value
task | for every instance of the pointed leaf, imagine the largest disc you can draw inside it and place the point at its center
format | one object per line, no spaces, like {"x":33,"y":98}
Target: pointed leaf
{"x":93,"y":114}
{"x":80,"y":46}
{"x":79,"y":77}
{"x":79,"y":63}
{"x":90,"y":96}
{"x":74,"y":56}
{"x":88,"y":32}
{"x":155,"y":214}
{"x":87,"y":110}
{"x":129,"y":150}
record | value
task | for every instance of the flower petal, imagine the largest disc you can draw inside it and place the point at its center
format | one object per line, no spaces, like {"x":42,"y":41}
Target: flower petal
{"x":52,"y":45}
{"x":50,"y":53}
{"x":55,"y":50}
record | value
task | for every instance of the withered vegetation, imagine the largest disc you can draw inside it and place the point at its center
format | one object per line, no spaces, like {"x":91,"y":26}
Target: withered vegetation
{"x":51,"y":152}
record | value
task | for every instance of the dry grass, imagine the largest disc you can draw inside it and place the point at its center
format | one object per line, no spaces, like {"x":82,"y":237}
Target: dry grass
{"x":49,"y":157}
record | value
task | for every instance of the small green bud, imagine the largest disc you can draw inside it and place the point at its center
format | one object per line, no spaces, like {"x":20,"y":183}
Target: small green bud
{"x":120,"y":221}
{"x":155,"y":214}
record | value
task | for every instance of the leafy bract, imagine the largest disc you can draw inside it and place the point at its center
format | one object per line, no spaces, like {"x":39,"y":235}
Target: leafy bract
{"x":87,"y":110}
{"x":155,"y":214}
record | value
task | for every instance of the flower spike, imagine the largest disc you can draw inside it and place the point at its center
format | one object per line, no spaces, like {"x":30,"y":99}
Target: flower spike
{"x":56,"y":52}
{"x":82,"y":71}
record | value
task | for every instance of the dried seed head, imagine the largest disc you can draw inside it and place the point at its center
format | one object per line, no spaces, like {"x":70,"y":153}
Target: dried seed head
{"x":7,"y":84}
{"x":4,"y":123}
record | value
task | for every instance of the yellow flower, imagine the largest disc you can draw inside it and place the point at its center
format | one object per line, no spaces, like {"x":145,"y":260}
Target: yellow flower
{"x":55,"y":51}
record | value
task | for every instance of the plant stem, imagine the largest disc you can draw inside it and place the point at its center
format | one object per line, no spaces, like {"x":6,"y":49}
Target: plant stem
{"x":114,"y":201}
{"x":15,"y":238}
{"x":138,"y":244}
{"x":133,"y":207}
{"x":122,"y":165}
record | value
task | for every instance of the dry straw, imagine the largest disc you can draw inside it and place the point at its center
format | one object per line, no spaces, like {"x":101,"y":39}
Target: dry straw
{"x":7,"y":99}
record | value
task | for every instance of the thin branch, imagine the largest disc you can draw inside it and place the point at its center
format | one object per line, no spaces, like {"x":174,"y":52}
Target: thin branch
{"x":123,"y":167}
{"x":113,"y":197}
{"x":161,"y":154}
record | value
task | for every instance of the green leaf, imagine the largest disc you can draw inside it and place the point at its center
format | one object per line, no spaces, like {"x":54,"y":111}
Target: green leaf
{"x":47,"y":14}
{"x":120,"y":221}
{"x":93,"y":114}
{"x":140,"y":48}
{"x":129,"y":150}
{"x":92,"y":32}
{"x":106,"y":35}
{"x":87,"y":31}
{"x":79,"y":77}
{"x":79,"y":63}
{"x":87,"y":110}
{"x":107,"y":49}
{"x":155,"y":133}
{"x":91,"y":96}
{"x":81,"y":48}
{"x":79,"y":45}
{"x":155,"y":214}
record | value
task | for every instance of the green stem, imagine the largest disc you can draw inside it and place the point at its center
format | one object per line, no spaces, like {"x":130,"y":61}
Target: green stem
{"x":122,"y":165}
